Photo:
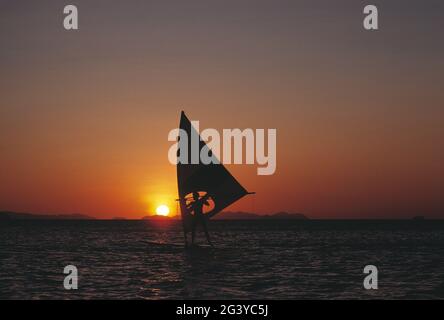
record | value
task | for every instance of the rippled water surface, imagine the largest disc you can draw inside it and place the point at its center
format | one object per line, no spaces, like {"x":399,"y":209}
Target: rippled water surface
{"x":252,"y":259}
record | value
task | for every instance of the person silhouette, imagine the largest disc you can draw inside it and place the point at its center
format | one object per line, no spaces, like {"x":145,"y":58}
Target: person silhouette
{"x":198,"y":216}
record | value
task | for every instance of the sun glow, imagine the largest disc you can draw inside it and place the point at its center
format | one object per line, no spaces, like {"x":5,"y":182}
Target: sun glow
{"x":163,"y":210}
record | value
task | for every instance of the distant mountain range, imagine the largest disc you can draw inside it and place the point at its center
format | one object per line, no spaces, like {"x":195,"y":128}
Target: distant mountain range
{"x":7,"y":215}
{"x":158,"y":217}
{"x":230,"y":215}
{"x":227,"y":215}
{"x":240,"y":215}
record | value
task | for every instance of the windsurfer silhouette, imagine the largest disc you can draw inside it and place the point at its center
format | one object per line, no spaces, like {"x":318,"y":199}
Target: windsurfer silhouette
{"x":193,"y":179}
{"x":198,"y":216}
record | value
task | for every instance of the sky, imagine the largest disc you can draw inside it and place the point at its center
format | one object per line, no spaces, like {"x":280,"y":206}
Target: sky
{"x":85,"y":114}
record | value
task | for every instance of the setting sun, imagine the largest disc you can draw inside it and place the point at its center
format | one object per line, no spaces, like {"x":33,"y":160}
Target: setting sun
{"x":162,"y":210}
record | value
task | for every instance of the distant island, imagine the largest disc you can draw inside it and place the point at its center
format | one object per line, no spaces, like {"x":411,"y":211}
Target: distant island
{"x":241,"y":215}
{"x":226,"y":215}
{"x":230,"y":215}
{"x":7,"y":215}
{"x":159,"y":217}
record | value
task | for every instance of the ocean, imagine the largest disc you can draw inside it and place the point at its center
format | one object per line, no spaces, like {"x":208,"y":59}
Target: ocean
{"x":273,"y":259}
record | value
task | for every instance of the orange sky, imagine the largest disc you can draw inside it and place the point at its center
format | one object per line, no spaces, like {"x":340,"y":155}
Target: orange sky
{"x":85,"y":115}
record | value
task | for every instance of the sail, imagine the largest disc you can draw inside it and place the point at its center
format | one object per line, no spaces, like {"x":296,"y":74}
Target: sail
{"x":211,"y":181}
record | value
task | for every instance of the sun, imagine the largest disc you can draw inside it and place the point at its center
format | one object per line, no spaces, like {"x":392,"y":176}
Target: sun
{"x":163,"y":210}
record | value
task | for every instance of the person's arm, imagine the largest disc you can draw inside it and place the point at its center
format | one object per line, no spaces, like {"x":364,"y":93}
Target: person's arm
{"x":192,"y":207}
{"x":205,"y":199}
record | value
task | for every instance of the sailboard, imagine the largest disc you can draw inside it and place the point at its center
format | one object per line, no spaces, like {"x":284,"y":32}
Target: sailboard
{"x":213,"y":182}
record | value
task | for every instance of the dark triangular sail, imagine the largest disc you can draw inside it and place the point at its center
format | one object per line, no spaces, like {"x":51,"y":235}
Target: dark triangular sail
{"x":210,"y":180}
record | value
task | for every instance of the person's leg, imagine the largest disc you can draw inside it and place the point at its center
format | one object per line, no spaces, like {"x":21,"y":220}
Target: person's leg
{"x":207,"y":235}
{"x":193,"y":230}
{"x":185,"y":238}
